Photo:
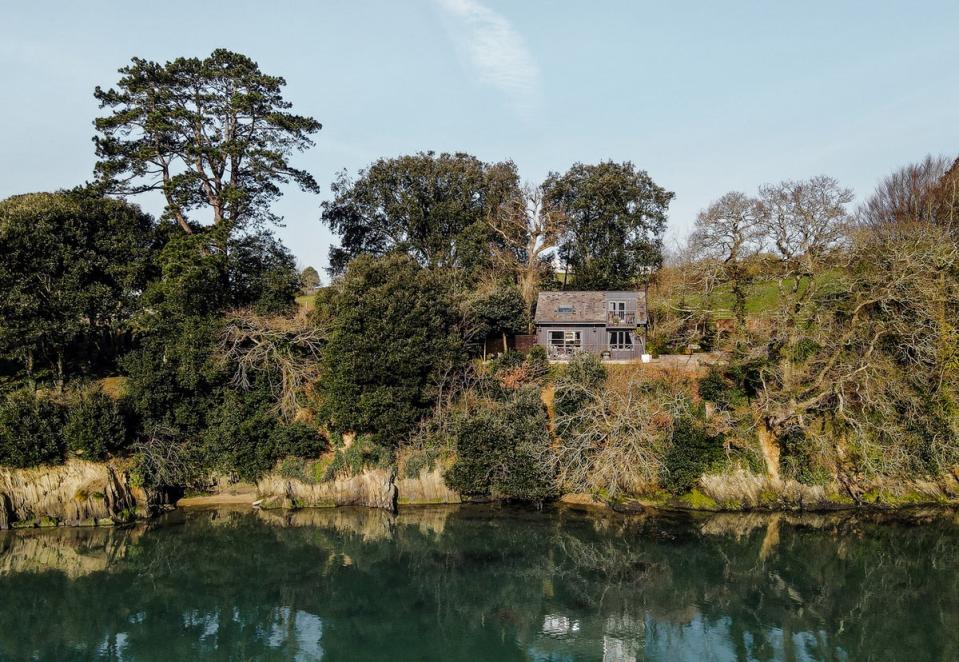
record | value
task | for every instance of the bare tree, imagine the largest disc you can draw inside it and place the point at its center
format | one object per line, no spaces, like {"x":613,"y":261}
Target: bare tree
{"x":807,"y":223}
{"x":872,"y":370}
{"x":725,"y":234}
{"x":529,"y":229}
{"x":906,"y":195}
{"x":805,"y":220}
{"x":616,"y":439}
{"x":284,"y":351}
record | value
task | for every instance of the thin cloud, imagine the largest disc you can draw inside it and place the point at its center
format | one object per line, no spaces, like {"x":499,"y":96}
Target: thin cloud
{"x":496,"y":51}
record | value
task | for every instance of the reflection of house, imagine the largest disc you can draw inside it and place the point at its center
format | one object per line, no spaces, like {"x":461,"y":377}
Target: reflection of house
{"x":608,"y":324}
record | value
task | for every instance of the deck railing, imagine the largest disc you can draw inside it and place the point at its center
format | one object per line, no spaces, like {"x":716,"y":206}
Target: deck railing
{"x":562,"y":351}
{"x":620,"y":318}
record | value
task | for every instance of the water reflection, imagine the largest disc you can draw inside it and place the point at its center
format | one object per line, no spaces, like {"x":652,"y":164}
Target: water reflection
{"x":477,"y":582}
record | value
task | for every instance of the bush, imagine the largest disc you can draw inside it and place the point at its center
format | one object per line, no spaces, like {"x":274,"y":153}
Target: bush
{"x":693,"y":451}
{"x":584,"y":373}
{"x":95,"y":427}
{"x":714,"y":387}
{"x":538,"y":361}
{"x":351,"y":460}
{"x":508,"y":360}
{"x":244,"y":439}
{"x":392,"y":339}
{"x":501,"y":449}
{"x":31,"y":431}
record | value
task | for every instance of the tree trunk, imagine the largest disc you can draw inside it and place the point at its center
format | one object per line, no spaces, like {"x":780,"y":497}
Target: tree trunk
{"x":769,"y":446}
{"x":505,"y":346}
{"x":31,"y":380}
{"x":59,"y":382}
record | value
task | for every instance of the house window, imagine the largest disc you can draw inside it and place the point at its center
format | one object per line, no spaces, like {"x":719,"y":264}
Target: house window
{"x":567,"y":342}
{"x":621,"y":340}
{"x":566,"y":309}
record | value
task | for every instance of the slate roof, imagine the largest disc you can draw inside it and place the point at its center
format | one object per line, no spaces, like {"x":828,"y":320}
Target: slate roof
{"x":584,"y":307}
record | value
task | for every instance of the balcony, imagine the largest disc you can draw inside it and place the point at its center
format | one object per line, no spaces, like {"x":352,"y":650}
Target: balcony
{"x":620,"y":318}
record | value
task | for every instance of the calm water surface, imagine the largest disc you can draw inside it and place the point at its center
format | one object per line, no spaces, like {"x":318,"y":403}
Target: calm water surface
{"x":484,"y":583}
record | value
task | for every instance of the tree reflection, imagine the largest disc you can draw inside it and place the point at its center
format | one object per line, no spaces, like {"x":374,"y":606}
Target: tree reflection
{"x":484,"y":583}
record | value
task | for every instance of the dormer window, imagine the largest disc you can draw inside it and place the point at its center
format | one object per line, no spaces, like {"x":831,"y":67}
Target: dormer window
{"x":566,"y":309}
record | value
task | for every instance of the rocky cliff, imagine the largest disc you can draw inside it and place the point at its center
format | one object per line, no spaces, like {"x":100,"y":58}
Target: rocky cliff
{"x":375,"y":488}
{"x":77,"y":493}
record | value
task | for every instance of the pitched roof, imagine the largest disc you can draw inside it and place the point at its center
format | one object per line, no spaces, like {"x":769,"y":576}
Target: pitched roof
{"x":571,"y":307}
{"x":583,"y":307}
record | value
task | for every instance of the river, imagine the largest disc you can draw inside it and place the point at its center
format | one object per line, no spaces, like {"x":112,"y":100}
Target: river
{"x":484,"y":582}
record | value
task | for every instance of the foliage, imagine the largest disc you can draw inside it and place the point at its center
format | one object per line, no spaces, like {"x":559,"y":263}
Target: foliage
{"x":538,"y":361}
{"x":174,"y":379}
{"x":615,"y":219}
{"x":73,"y":266}
{"x":432,"y":207}
{"x":584,"y":374}
{"x":261,"y":273}
{"x":207,"y":133}
{"x":500,"y":447}
{"x":613,"y":435}
{"x":96,"y":427}
{"x":692,"y":451}
{"x":499,"y":311}
{"x":243,"y":439}
{"x":352,"y":459}
{"x":31,"y":431}
{"x":723,"y":386}
{"x":391,"y":343}
{"x":310,"y":280}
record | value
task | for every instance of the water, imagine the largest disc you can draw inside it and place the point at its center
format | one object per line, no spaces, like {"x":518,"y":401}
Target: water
{"x":484,"y":583}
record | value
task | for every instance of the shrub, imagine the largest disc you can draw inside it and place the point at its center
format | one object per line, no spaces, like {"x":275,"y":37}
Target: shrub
{"x":508,"y":360}
{"x":500,"y":449}
{"x":95,"y":427}
{"x":714,"y":387}
{"x":693,"y":451}
{"x":244,"y":439}
{"x":537,"y":361}
{"x":31,"y":431}
{"x":583,"y":374}
{"x":353,"y":459}
{"x":801,"y":460}
{"x":613,"y":441}
{"x":392,"y":339}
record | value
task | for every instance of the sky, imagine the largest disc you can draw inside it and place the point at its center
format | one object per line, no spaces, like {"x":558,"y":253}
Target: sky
{"x":706,"y":96}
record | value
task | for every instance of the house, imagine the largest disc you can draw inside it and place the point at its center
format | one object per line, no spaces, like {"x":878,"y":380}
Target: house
{"x":611,"y":325}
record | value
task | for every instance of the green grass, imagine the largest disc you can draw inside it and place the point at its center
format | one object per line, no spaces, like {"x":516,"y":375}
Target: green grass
{"x":306,"y":302}
{"x":762,"y":297}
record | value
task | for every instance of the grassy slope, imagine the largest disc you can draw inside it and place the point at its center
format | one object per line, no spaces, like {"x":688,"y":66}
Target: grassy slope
{"x":762,"y":298}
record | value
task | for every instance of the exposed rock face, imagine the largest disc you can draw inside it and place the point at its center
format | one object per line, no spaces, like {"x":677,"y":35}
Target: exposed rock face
{"x":6,"y":511}
{"x":427,"y":488}
{"x":743,"y":490}
{"x":374,"y":488}
{"x":77,"y":493}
